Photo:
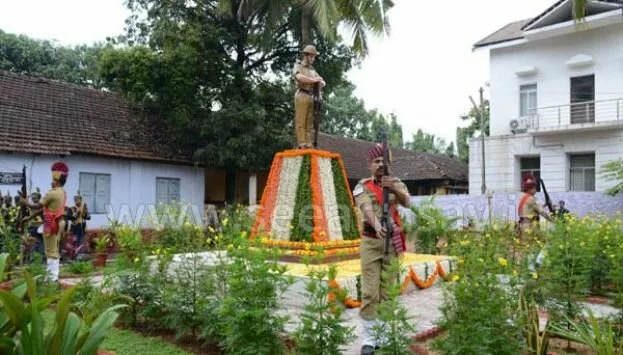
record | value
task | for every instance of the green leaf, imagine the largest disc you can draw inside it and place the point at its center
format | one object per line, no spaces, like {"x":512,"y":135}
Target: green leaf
{"x":98,"y":330}
{"x":13,"y":307}
{"x":3,"y":259}
{"x":62,"y":310}
{"x":70,"y":334}
{"x":7,"y":345}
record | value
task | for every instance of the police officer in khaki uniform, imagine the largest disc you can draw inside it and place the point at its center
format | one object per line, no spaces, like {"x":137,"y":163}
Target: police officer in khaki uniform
{"x":306,"y":77}
{"x":368,"y":195}
{"x":53,"y":205}
{"x":529,"y":212}
{"x":528,"y":209}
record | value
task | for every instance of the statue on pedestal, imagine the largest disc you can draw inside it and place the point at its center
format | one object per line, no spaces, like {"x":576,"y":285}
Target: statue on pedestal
{"x":307,"y":97}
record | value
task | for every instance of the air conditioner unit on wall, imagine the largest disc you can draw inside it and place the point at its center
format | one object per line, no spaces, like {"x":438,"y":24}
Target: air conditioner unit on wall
{"x":519,"y":125}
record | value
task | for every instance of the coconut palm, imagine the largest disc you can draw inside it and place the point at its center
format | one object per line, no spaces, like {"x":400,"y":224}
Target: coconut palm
{"x":304,"y":17}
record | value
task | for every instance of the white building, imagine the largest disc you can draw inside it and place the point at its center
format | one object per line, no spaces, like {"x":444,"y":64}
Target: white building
{"x":556,"y":99}
{"x":118,"y":163}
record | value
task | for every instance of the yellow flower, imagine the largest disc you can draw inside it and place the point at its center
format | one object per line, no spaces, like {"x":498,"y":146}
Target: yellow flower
{"x":502,"y":261}
{"x":535,"y":275}
{"x":455,"y":278}
{"x":225,"y":221}
{"x":243,"y":234}
{"x":515,"y":273}
{"x":464,"y":242}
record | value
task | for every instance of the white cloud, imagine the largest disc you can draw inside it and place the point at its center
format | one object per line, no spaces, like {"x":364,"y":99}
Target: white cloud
{"x":424,"y":71}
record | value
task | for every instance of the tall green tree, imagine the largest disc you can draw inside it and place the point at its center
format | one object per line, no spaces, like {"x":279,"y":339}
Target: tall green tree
{"x":423,"y":142}
{"x":347,"y":116}
{"x":311,"y":20}
{"x":463,"y":134}
{"x":25,"y":55}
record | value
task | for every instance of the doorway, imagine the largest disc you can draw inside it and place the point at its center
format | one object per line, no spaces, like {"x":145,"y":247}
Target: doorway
{"x":582,"y":102}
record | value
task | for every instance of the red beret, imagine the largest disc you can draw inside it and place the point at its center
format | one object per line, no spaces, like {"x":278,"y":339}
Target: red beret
{"x":59,"y":168}
{"x":528,"y":181}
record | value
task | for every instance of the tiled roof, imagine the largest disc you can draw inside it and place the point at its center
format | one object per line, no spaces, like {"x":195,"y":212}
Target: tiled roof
{"x":507,"y":33}
{"x":49,"y":117}
{"x":408,"y":165}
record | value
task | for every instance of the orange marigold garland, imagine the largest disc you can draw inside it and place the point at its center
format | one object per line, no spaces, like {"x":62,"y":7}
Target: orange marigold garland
{"x":411,"y":276}
{"x":269,"y":197}
{"x":320,"y":233}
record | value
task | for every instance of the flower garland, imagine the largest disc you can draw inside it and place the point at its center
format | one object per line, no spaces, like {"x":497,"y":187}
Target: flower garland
{"x":302,"y":217}
{"x":286,"y":197}
{"x":411,"y":276}
{"x":264,"y":213}
{"x":331,"y":207}
{"x":348,"y":219}
{"x":332,"y":244}
{"x":318,"y":202}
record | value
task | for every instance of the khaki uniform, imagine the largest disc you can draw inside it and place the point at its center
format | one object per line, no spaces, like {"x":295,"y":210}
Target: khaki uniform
{"x":304,"y":104}
{"x":529,"y":214}
{"x":53,"y":200}
{"x":371,"y":250}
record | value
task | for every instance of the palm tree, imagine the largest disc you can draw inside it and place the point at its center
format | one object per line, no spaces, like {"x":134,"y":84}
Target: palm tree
{"x":323,"y":17}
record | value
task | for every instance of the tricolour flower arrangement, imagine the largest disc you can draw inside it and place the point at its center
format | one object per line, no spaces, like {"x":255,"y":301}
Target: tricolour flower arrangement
{"x":307,"y":203}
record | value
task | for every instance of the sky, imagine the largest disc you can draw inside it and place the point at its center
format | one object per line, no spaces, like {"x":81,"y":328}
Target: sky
{"x":424,"y":71}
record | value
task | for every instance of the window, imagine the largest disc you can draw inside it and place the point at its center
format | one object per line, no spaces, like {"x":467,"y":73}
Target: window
{"x":167,"y":190}
{"x":530,"y":165}
{"x":95,"y":191}
{"x":527,"y":100}
{"x":582,"y":172}
{"x":582,"y":99}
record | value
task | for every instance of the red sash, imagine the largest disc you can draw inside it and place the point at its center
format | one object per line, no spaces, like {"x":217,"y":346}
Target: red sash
{"x":50,"y":219}
{"x":399,"y":237}
{"x":522,"y":202}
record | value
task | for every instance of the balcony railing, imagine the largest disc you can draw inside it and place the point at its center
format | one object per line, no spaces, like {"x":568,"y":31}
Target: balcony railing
{"x":581,"y":115}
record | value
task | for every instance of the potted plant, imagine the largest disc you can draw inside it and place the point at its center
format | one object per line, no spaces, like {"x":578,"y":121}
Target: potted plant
{"x":101,"y":251}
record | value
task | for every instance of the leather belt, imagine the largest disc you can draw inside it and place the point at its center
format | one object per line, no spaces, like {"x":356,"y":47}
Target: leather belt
{"x":305,"y":91}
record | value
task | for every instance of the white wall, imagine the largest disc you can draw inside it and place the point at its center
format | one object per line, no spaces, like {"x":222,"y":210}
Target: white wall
{"x":605,"y":45}
{"x":502,"y":172}
{"x":133,"y":183}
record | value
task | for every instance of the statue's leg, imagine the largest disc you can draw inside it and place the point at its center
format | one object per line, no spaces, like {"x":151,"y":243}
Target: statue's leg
{"x":300,"y":109}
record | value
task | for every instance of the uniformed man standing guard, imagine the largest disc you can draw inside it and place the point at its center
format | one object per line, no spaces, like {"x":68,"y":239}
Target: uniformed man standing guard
{"x":368,"y":195}
{"x":306,"y":77}
{"x":53,"y":204}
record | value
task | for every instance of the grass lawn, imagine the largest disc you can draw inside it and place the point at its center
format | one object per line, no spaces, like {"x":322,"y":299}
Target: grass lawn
{"x":125,"y":342}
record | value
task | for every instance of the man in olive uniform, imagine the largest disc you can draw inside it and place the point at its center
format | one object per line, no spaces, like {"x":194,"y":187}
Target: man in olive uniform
{"x":529,"y":212}
{"x":528,"y":209}
{"x":80,"y":214}
{"x":368,"y":195}
{"x":53,"y":204}
{"x":306,"y":77}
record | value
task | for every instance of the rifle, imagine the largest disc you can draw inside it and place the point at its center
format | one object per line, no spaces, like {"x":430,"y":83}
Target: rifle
{"x":386,"y":219}
{"x":548,"y":201}
{"x":317,"y":112}
{"x":23,"y":210}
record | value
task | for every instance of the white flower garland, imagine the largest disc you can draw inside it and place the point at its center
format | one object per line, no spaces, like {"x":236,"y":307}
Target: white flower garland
{"x":331,"y":209}
{"x":286,"y":198}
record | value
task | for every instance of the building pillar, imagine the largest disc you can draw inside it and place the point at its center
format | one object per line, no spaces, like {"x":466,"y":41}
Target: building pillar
{"x":252,"y":189}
